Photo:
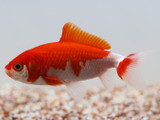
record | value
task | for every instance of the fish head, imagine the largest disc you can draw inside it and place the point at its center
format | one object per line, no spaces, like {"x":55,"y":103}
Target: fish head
{"x":24,"y":68}
{"x":17,"y":70}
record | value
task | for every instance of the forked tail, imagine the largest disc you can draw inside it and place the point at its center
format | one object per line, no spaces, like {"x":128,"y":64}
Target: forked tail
{"x":128,"y":70}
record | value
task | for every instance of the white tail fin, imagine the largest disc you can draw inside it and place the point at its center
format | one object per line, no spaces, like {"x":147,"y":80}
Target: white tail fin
{"x":129,"y":70}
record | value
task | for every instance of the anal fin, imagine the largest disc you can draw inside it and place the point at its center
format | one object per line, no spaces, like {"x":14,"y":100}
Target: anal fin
{"x":77,"y":90}
{"x":110,"y":79}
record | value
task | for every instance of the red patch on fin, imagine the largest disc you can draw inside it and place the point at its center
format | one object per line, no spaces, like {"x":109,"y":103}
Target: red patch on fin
{"x":122,"y":68}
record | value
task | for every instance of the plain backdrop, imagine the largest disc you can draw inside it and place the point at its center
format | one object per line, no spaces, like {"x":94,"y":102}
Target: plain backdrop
{"x":129,"y":26}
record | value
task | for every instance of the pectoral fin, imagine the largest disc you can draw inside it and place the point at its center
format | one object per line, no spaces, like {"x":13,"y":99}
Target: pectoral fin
{"x":52,"y":81}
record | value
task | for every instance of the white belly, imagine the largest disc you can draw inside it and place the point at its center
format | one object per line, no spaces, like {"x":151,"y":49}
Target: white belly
{"x":93,"y":68}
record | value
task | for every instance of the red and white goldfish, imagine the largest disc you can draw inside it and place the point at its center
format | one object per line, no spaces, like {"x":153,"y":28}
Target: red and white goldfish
{"x":78,"y":56}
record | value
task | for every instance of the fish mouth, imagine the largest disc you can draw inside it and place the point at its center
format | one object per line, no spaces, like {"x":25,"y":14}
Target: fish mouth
{"x":8,"y":73}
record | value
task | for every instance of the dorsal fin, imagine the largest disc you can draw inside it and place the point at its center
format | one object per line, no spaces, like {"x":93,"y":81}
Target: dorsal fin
{"x":72,"y":33}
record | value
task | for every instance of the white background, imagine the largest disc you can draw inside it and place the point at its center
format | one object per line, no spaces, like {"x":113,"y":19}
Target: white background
{"x":129,"y":26}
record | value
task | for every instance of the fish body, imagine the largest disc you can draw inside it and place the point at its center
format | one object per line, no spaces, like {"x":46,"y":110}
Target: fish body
{"x":76,"y":57}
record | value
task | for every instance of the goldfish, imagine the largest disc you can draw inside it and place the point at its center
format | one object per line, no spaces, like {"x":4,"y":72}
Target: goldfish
{"x":78,"y":56}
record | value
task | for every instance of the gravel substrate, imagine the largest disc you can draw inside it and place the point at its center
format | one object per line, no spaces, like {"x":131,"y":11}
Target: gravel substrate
{"x":122,"y":103}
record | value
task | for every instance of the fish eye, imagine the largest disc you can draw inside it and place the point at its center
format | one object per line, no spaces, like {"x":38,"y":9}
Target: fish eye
{"x":18,"y":67}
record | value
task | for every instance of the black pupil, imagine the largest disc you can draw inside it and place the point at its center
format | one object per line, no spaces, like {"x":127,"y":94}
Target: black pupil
{"x":18,"y":66}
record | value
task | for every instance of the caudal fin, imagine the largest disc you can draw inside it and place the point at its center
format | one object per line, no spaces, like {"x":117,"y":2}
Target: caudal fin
{"x":129,"y":70}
